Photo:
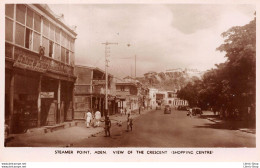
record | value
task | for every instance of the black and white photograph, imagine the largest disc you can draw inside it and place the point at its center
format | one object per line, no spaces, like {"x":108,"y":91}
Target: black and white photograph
{"x":124,"y":75}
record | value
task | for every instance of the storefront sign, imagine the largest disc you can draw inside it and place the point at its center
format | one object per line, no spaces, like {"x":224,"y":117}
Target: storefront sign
{"x":33,"y":62}
{"x":30,"y":63}
{"x":47,"y":94}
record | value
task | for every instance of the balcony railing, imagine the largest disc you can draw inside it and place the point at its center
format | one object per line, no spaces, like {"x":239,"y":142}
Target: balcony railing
{"x":30,"y":60}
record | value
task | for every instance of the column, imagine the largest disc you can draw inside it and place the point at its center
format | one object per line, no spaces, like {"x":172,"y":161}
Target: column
{"x":11,"y":101}
{"x":73,"y":100}
{"x":39,"y":101}
{"x":59,"y":102}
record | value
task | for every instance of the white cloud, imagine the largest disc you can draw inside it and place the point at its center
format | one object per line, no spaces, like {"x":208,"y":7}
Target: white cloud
{"x":162,"y":36}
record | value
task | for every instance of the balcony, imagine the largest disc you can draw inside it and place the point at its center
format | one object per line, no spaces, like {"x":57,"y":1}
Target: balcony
{"x":30,"y":60}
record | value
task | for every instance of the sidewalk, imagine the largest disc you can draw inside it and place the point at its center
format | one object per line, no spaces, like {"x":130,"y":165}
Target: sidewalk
{"x":60,"y":134}
{"x":241,"y":125}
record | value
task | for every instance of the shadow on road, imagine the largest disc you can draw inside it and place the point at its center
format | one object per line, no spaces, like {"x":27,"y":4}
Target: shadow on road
{"x":229,"y":124}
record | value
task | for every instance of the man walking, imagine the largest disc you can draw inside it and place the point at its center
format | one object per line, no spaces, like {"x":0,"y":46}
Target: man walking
{"x":107,"y":127}
{"x":97,"y":117}
{"x":88,"y":118}
{"x":129,"y":122}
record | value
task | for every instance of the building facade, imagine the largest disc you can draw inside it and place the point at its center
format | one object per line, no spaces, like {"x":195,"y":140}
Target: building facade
{"x":39,"y":67}
{"x":127,"y":92}
{"x":89,"y":92}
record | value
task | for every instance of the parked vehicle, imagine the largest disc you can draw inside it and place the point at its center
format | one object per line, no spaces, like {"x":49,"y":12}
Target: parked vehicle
{"x":167,"y":109}
{"x":196,"y":110}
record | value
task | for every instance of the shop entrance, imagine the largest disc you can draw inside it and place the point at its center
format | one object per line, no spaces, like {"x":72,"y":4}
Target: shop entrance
{"x":25,"y":102}
{"x":49,"y":104}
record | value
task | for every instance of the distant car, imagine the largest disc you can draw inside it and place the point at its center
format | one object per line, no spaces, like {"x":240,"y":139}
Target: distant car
{"x":167,"y":109}
{"x":196,"y":110}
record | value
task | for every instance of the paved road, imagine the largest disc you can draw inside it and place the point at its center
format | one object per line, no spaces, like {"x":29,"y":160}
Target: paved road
{"x":156,"y":129}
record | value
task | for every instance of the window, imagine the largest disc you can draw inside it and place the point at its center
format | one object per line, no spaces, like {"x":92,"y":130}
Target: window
{"x":57,"y":35}
{"x":45,"y":44}
{"x":72,"y":59}
{"x":37,"y":22}
{"x":71,"y":44}
{"x":36,"y":41}
{"x":9,"y":10}
{"x":63,"y":39}
{"x":28,"y":38}
{"x":50,"y":48}
{"x":8,"y":30}
{"x":29,"y":19}
{"x":122,"y":88}
{"x":67,"y":57}
{"x":45,"y":28}
{"x":52,"y":32}
{"x":19,"y":34}
{"x":170,"y":102}
{"x":20,"y":13}
{"x":62,"y":54}
{"x":57,"y":52}
{"x":67,"y":42}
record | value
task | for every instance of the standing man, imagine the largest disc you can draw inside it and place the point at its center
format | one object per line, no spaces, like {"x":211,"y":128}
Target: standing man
{"x":97,"y":117}
{"x":129,"y":122}
{"x":88,"y":119}
{"x":107,"y":127}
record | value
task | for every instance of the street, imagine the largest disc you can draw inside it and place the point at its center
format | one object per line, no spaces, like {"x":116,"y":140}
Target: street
{"x":152,"y":129}
{"x":156,"y":129}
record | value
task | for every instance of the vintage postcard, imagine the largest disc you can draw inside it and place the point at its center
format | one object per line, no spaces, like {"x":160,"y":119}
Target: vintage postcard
{"x":129,"y":81}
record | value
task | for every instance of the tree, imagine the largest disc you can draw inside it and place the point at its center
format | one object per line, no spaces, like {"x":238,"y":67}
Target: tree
{"x":231,"y":84}
{"x":240,"y":48}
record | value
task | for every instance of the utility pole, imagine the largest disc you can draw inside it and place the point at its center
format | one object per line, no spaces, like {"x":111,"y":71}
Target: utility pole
{"x":107,"y":51}
{"x":135,"y":67}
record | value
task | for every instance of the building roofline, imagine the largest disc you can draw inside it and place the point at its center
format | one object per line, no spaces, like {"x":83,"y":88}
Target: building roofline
{"x":45,"y":8}
{"x":93,"y":68}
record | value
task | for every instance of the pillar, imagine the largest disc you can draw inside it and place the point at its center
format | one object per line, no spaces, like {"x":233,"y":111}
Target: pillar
{"x":39,"y":102}
{"x":73,"y":100}
{"x":59,"y":102}
{"x":11,"y":102}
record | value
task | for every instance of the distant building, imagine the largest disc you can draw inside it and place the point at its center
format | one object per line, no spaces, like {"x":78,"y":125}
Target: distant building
{"x":89,"y":91}
{"x":127,"y":92}
{"x":39,"y":67}
{"x":165,"y":98}
{"x":189,"y":71}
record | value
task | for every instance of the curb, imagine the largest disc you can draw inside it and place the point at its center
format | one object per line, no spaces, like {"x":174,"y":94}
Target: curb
{"x":250,"y":131}
{"x":215,"y":121}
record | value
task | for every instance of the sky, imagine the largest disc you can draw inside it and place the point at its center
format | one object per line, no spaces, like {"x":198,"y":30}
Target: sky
{"x":161,"y":36}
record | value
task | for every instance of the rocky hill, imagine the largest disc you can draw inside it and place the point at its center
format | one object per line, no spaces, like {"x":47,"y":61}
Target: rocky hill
{"x":166,"y":80}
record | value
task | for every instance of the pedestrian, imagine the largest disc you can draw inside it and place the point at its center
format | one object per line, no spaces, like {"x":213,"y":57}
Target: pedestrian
{"x":129,"y":122}
{"x":97,"y":117}
{"x":190,"y":112}
{"x":107,"y":127}
{"x":125,"y":111}
{"x":88,"y":119}
{"x":140,"y":110}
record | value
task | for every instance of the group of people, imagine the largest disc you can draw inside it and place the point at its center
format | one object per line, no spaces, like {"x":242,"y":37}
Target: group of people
{"x":93,"y":119}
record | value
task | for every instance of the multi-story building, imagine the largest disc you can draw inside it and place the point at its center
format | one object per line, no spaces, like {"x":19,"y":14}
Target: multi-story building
{"x":39,"y":67}
{"x":89,"y":92}
{"x":158,"y":97}
{"x":127,"y":92}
